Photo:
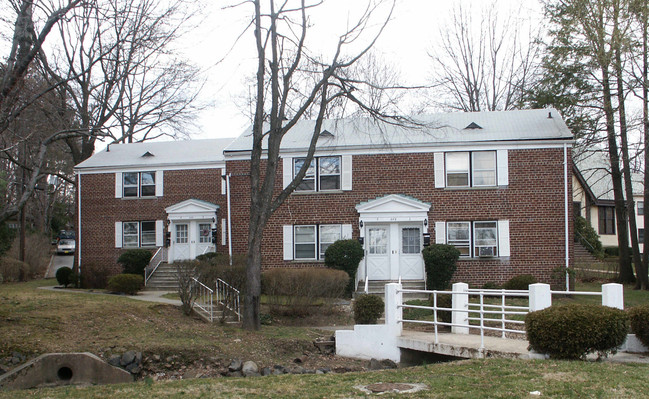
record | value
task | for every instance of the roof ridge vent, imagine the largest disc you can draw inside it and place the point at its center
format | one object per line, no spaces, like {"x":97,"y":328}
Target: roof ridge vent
{"x":147,"y":154}
{"x":472,"y":126}
{"x":326,"y":133}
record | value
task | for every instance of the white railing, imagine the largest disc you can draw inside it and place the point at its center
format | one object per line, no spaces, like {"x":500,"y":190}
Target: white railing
{"x":204,"y":298}
{"x":228,"y":297}
{"x":157,"y":259}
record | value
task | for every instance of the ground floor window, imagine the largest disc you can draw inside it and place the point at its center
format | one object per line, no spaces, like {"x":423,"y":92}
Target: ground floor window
{"x":311,"y":241}
{"x":473,"y":239}
{"x":641,"y":236}
{"x":606,"y":219}
{"x":138,"y":234}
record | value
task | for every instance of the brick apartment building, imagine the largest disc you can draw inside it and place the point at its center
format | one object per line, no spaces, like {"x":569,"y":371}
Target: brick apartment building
{"x":494,"y":184}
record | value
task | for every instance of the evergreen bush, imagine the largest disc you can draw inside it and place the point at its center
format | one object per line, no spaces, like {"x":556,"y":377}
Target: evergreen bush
{"x":135,"y":261}
{"x":345,"y":255}
{"x":64,"y":276}
{"x":368,"y":309}
{"x":128,"y":284}
{"x":443,"y":301}
{"x":572,"y":331}
{"x":639,"y":318}
{"x":441,"y":262}
{"x":520,"y":282}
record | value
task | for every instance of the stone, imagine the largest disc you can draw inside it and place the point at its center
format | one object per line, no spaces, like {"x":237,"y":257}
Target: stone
{"x":235,"y":374}
{"x":127,"y":358}
{"x":266,"y":371}
{"x":249,"y":367}
{"x":297,"y":370}
{"x":114,"y":360}
{"x":235,"y":365}
{"x":318,"y":371}
{"x":138,"y":357}
{"x":324,"y":370}
{"x":133,"y":368}
{"x":156,"y":358}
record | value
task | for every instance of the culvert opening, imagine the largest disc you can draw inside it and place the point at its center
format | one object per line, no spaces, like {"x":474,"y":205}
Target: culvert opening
{"x":64,"y":373}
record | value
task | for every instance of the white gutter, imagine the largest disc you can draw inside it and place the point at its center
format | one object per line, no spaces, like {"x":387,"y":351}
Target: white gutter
{"x":78,"y":233}
{"x":227,"y":184}
{"x":566,"y":213}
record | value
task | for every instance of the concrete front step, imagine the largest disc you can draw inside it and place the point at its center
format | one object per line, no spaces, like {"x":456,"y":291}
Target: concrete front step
{"x":377,"y":287}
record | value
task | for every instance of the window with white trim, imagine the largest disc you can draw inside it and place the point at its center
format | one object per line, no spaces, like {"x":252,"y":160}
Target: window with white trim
{"x":182,"y":234}
{"x":204,"y":233}
{"x":324,"y":174}
{"x":309,"y":238}
{"x":473,"y":239}
{"x":138,"y":184}
{"x":138,"y":234}
{"x":470,"y":169}
{"x":640,"y":208}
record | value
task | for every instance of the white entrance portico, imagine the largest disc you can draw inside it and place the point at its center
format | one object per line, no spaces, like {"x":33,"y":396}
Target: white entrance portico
{"x":190,"y":224}
{"x":392,"y":228}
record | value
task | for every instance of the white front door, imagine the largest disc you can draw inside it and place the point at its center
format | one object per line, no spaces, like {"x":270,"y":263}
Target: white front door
{"x":394,"y":250}
{"x":182,"y":249}
{"x":411,"y":265}
{"x":378,"y":255}
{"x":204,"y":238}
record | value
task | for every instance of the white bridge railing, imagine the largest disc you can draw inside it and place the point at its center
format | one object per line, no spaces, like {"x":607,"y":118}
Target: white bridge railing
{"x":228,"y":297}
{"x":204,"y":298}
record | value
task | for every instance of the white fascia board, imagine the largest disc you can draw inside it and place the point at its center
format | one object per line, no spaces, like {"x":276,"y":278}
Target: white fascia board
{"x":412,"y":148}
{"x":146,"y":168}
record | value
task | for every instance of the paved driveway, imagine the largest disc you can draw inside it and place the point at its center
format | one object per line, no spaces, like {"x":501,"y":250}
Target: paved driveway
{"x":57,"y":262}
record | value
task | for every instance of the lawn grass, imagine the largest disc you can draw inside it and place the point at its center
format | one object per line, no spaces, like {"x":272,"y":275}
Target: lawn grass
{"x":493,"y":378}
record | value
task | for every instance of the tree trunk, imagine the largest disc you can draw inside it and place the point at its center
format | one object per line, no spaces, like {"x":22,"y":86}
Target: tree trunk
{"x":642,"y":281}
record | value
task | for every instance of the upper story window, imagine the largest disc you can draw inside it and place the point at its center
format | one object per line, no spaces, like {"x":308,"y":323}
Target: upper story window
{"x":471,"y":169}
{"x":138,"y":184}
{"x":640,"y":208}
{"x":323,"y":174}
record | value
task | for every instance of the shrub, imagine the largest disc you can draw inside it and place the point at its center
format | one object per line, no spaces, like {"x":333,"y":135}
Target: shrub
{"x":185,"y":271}
{"x":490,"y":285}
{"x":134,"y":261}
{"x":296,"y":291}
{"x":572,"y":331}
{"x":345,"y":255}
{"x":96,"y":276}
{"x":440,"y":261}
{"x":587,"y":236}
{"x":37,"y":255}
{"x":367,"y":309}
{"x":520,"y":282}
{"x":11,"y":269}
{"x":639,"y":318}
{"x":128,"y":284}
{"x":209,"y":268}
{"x":443,"y":301}
{"x":64,"y":276}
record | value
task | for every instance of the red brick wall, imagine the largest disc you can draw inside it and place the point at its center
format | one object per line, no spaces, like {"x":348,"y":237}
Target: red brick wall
{"x":100,"y":209}
{"x":533,"y":202}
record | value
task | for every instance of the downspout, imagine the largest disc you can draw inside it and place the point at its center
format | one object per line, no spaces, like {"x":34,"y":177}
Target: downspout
{"x":78,"y":233}
{"x":566,"y":213}
{"x":227,"y":185}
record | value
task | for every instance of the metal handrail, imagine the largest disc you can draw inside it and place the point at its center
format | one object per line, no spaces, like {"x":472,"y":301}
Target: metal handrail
{"x":204,"y":298}
{"x":149,"y":270}
{"x":228,"y":297}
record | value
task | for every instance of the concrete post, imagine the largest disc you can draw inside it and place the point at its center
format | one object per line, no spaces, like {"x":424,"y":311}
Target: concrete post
{"x":613,"y":295}
{"x":393,"y":309}
{"x":460,"y":301}
{"x":540,"y":297}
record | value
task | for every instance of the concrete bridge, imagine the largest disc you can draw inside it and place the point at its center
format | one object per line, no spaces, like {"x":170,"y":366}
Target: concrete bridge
{"x":474,"y":323}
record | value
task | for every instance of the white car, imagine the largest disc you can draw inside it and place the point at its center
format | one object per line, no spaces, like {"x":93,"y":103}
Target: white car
{"x":65,"y":246}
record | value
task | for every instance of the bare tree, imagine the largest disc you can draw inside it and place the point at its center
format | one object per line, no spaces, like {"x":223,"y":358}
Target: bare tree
{"x":487,"y":68}
{"x":291,"y":83}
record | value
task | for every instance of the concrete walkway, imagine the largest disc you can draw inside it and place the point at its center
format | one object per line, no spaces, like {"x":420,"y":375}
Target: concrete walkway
{"x":147,"y":296}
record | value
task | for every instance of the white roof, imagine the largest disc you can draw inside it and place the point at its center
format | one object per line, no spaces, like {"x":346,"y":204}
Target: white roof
{"x":157,"y":153}
{"x":438,"y":129}
{"x":594,"y":166}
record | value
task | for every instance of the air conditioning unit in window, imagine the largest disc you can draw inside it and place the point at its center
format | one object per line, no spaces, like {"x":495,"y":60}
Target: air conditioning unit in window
{"x":486,"y":252}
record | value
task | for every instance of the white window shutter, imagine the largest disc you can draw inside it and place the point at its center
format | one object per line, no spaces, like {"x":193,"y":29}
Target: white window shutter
{"x":118,"y":185}
{"x":346,"y":178}
{"x":159,"y":183}
{"x":502,"y":162}
{"x":223,"y":227}
{"x":287,"y":169}
{"x":440,"y":175}
{"x":159,"y":233}
{"x":503,"y":238}
{"x":118,"y":234}
{"x":440,"y":232}
{"x":347,"y":232}
{"x":288,"y":242}
{"x":223,"y":192}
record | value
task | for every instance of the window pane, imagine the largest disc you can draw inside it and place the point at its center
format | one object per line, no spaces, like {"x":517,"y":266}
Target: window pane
{"x":378,"y":240}
{"x":305,"y":234}
{"x":204,"y":232}
{"x":457,"y":179}
{"x":305,"y":251}
{"x":181,"y":234}
{"x":330,"y":182}
{"x":458,"y":234}
{"x":148,"y":191}
{"x":130,"y":227}
{"x":410,"y":240}
{"x":298,"y":165}
{"x":329,"y":165}
{"x":148,"y":178}
{"x":130,"y":178}
{"x":148,"y":234}
{"x":484,"y":178}
{"x":486,"y":234}
{"x":306,"y":185}
{"x":130,"y":234}
{"x":130,"y":241}
{"x":484,"y":168}
{"x":640,"y":208}
{"x":457,"y":162}
{"x":328,"y":235}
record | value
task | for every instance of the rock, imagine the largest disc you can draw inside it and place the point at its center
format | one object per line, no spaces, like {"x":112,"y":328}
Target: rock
{"x":249,"y":368}
{"x":138,"y":357}
{"x":235,"y":365}
{"x":127,"y":358}
{"x":133,"y":368}
{"x":193,"y":373}
{"x":323,"y":370}
{"x":318,"y":371}
{"x":309,"y":371}
{"x":376,"y":364}
{"x":156,"y":358}
{"x":297,"y":370}
{"x":266,"y":371}
{"x":114,"y":360}
{"x":235,"y":374}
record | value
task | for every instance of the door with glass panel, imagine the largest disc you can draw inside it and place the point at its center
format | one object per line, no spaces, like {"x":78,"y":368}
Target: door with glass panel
{"x":204,"y":241}
{"x":181,"y":241}
{"x":411,"y":265}
{"x":378,"y":252}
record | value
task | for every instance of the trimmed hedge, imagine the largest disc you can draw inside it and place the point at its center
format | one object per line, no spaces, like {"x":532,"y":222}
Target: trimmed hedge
{"x":211,"y":266}
{"x":441,"y":262}
{"x":368,"y":309}
{"x":345,"y":255}
{"x":572,"y":331}
{"x":128,"y":284}
{"x":135,"y":261}
{"x":520,"y":282}
{"x":64,"y":276}
{"x":639,"y":318}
